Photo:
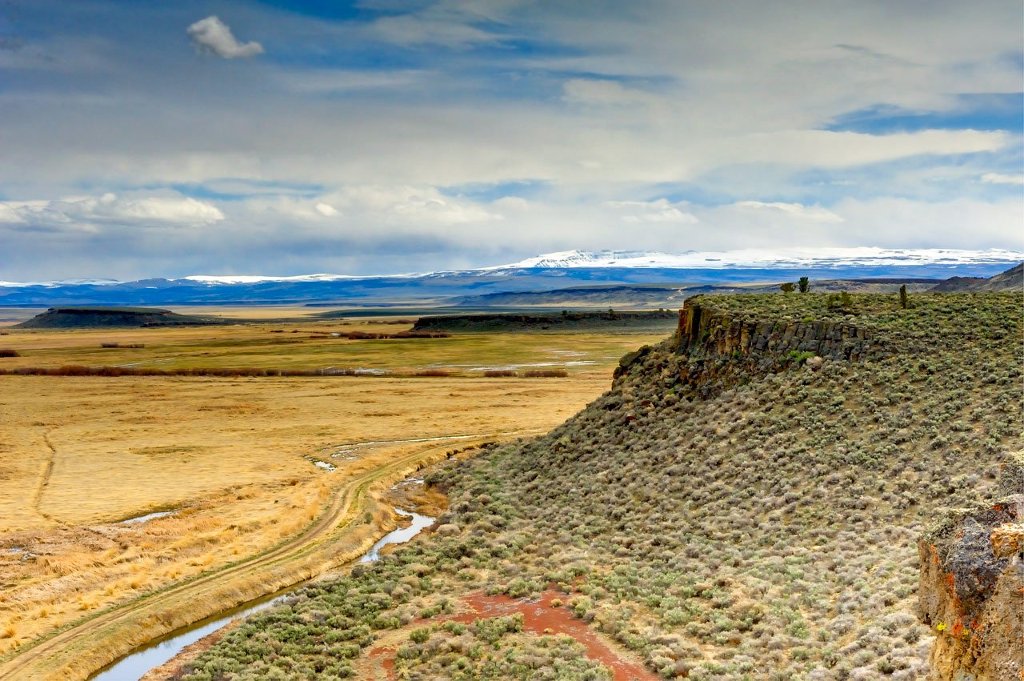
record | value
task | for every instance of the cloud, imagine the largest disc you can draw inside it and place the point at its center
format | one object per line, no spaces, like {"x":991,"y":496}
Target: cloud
{"x":330,"y":81}
{"x":660,"y":210}
{"x":827,"y":149}
{"x":1002,"y":178}
{"x":89,"y":213}
{"x":796,"y":211}
{"x":458,"y":24}
{"x":710,"y":125}
{"x":419,"y":31}
{"x":410,"y":206}
{"x":214,"y":36}
{"x":598,"y":91}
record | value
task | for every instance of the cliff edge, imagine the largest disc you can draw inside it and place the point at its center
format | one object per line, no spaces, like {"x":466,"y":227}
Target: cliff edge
{"x":715,"y":348}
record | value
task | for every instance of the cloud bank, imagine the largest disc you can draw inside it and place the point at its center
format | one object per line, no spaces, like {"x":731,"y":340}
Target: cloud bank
{"x":389,"y":136}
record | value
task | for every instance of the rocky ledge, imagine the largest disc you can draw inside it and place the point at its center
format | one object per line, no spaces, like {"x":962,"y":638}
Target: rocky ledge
{"x":712,"y":349}
{"x":972,"y":586}
{"x":713,"y":334}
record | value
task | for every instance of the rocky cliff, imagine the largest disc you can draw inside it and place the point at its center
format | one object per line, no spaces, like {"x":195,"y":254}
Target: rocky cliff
{"x":716,"y":348}
{"x":972,"y":586}
{"x":708,"y":334}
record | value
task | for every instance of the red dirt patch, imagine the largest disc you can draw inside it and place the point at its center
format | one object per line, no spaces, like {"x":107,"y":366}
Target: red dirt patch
{"x":539,"y":617}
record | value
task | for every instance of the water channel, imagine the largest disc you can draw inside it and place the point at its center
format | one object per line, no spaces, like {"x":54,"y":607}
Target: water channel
{"x":135,"y":665}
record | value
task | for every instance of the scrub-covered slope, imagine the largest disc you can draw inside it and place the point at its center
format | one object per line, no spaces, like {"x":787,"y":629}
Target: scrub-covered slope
{"x":744,"y":503}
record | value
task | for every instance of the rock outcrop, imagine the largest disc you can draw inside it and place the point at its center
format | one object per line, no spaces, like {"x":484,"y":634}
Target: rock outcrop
{"x":972,"y":586}
{"x":704,"y":333}
{"x":715,"y":350}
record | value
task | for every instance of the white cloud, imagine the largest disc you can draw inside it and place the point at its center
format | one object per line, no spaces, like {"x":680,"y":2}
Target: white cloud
{"x":328,"y":81}
{"x":960,"y":222}
{"x":597,"y":91}
{"x":827,"y":149}
{"x":326,"y":209}
{"x":417,"y":30}
{"x":90,"y":212}
{"x":512,"y":204}
{"x":410,"y":206}
{"x":446,"y":23}
{"x":660,"y":210}
{"x":1002,"y":178}
{"x":796,"y":211}
{"x":214,"y":36}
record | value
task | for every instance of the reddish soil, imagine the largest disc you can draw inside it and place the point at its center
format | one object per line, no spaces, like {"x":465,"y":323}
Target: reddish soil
{"x":540,"y":617}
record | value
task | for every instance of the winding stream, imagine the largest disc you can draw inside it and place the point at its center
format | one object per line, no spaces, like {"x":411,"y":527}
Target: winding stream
{"x":134,"y":666}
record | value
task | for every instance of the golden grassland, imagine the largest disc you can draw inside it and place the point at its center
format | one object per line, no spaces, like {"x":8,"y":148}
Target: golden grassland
{"x":233,"y":458}
{"x":310,"y":345}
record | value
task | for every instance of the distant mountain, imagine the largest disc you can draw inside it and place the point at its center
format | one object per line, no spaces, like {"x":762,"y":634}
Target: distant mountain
{"x":752,"y":258}
{"x":1010,"y":280}
{"x":543,"y":273}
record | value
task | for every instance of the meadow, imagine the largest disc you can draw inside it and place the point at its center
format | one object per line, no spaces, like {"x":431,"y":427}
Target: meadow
{"x":313,"y":344}
{"x":238,"y":464}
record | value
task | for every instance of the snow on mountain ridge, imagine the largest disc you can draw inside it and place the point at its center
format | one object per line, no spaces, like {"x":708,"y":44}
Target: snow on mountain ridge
{"x":257,"y":278}
{"x":768,"y":259}
{"x":751,"y":258}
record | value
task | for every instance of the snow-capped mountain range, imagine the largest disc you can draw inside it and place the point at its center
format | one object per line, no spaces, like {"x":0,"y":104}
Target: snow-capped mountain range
{"x":769,"y":259}
{"x":544,"y":272}
{"x":750,"y":258}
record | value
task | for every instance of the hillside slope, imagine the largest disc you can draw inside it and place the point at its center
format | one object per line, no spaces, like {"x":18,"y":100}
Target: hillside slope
{"x":744,"y":503}
{"x":1010,"y":280}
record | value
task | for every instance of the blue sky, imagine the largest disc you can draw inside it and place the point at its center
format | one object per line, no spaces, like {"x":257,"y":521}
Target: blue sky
{"x":272,"y":137}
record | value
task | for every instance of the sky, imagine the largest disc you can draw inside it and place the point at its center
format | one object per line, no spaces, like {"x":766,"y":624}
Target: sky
{"x":143,"y":139}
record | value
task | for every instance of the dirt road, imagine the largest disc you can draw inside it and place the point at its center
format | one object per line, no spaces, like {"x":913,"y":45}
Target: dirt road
{"x":333,"y":539}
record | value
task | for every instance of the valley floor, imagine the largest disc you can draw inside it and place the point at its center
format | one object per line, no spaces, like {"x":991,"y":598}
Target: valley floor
{"x":113,"y":489}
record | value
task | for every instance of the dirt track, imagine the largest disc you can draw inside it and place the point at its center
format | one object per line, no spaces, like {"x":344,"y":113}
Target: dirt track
{"x":83,"y":648}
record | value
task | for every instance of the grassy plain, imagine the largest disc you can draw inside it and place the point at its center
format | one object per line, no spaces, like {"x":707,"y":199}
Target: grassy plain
{"x":310,"y":345}
{"x":233,"y":458}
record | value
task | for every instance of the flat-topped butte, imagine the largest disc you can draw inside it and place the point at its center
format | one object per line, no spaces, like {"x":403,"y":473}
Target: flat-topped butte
{"x":105,"y":317}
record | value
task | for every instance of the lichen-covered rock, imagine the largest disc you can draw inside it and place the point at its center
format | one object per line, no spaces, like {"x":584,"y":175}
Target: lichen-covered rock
{"x":972,"y":586}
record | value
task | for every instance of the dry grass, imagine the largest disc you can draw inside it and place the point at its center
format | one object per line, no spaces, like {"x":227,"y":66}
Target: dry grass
{"x":308,"y":347}
{"x":234,"y":458}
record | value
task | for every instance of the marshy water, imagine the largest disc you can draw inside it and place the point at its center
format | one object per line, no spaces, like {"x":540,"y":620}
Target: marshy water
{"x":140,"y":519}
{"x":137,"y":664}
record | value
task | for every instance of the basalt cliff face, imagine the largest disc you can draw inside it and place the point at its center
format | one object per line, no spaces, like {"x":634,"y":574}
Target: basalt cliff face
{"x":716,"y":349}
{"x":711,"y":335}
{"x":972,"y":586}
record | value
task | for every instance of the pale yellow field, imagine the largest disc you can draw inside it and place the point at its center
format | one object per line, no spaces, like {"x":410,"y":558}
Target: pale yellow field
{"x":310,"y":345}
{"x":232,"y":458}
